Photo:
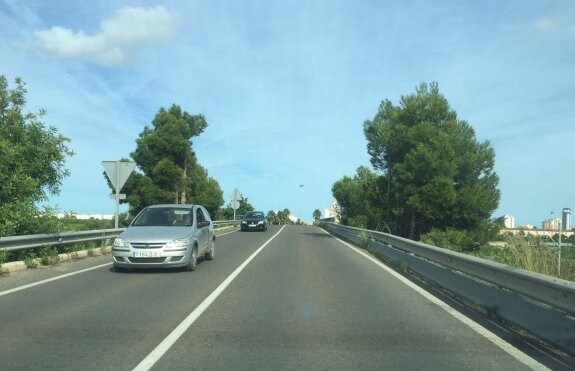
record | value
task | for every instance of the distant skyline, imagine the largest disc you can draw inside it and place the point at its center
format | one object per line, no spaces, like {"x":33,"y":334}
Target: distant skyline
{"x":551,"y":222}
{"x":286,"y":86}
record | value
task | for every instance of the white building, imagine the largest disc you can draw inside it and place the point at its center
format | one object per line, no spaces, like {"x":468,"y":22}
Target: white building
{"x":509,"y":221}
{"x":87,"y":216}
{"x":332,"y":211}
{"x":551,"y":224}
{"x":567,"y":225}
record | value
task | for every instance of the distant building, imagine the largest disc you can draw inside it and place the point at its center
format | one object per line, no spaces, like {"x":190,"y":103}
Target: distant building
{"x":551,"y":224}
{"x":332,"y":211}
{"x":534,"y":232}
{"x":87,"y":216}
{"x":566,"y":220}
{"x":509,"y":221}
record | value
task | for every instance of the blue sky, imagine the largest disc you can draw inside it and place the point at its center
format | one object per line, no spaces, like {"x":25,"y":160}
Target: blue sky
{"x":286,"y":86}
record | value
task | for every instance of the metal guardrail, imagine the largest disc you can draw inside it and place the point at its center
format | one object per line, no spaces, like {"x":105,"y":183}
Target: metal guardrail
{"x":543,"y":305}
{"x":52,"y":239}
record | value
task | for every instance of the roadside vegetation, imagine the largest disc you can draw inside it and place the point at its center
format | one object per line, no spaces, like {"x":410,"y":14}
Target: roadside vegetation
{"x":533,"y":254}
{"x":431,"y":180}
{"x":33,"y":156}
{"x":167,"y":169}
{"x":431,"y":177}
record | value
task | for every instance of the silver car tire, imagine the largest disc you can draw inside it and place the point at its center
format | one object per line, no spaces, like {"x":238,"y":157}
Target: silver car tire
{"x":193,"y":259}
{"x":210,"y":255}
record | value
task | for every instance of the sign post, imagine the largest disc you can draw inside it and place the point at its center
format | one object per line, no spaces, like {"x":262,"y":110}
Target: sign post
{"x":118,"y":172}
{"x":236,"y":197}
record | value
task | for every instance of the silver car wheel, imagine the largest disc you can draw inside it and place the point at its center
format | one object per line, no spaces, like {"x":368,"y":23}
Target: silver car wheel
{"x":193,"y":259}
{"x":210,"y":255}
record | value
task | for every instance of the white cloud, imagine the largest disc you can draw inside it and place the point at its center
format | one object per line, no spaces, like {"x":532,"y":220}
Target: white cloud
{"x":119,"y":35}
{"x":547,"y":25}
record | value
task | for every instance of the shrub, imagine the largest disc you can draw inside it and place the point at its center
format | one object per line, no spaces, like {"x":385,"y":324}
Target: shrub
{"x":49,"y":255}
{"x":31,"y":261}
{"x":452,"y":239}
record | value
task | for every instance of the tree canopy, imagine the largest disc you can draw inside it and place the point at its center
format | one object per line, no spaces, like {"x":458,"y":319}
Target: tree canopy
{"x":316,"y":214}
{"x":170,"y":172}
{"x":432,"y":173}
{"x":227,"y":213}
{"x":32,"y":159}
{"x":359,"y":198}
{"x":280,"y":218}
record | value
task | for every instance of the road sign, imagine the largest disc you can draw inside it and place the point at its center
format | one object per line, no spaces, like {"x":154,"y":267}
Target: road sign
{"x":118,"y":172}
{"x":236,"y":197}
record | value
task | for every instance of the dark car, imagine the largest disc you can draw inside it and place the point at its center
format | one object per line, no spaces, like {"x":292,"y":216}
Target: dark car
{"x":254,"y":220}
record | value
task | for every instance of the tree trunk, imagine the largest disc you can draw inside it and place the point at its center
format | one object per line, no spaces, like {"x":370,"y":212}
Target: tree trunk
{"x":183,"y":198}
{"x":412,"y":227}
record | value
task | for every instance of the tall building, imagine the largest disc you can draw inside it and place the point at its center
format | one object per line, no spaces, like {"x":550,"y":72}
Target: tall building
{"x":509,"y":221}
{"x":551,"y":224}
{"x":566,"y":220}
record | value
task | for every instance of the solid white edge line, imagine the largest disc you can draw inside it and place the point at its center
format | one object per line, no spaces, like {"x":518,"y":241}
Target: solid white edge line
{"x":20,"y":288}
{"x":162,"y":348}
{"x":502,"y":344}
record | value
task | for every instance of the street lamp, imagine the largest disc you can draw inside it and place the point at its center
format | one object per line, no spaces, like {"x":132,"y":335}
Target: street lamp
{"x":559,"y":246}
{"x":301,"y":202}
{"x":559,"y":256}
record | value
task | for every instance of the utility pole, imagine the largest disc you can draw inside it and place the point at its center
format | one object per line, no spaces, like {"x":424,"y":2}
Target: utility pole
{"x":301,"y":202}
{"x":559,"y":256}
{"x":558,"y":246}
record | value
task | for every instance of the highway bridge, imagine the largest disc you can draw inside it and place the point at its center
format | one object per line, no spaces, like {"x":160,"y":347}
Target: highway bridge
{"x":291,"y":298}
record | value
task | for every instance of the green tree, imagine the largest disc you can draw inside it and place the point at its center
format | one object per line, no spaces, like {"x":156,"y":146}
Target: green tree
{"x":437,"y":175}
{"x":272,"y":217}
{"x":32,"y":159}
{"x":227,"y":213}
{"x":316,"y":214}
{"x":283,"y":217}
{"x":170,"y":172}
{"x":360,"y":201}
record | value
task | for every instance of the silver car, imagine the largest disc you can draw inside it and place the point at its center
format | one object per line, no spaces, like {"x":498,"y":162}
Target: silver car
{"x":163,"y":236}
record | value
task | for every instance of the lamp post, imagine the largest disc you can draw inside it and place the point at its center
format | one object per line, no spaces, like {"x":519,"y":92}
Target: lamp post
{"x":559,"y":255}
{"x":559,"y":246}
{"x":301,"y":202}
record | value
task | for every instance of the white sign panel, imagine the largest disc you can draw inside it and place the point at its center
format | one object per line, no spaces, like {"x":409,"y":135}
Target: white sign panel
{"x":118,"y":172}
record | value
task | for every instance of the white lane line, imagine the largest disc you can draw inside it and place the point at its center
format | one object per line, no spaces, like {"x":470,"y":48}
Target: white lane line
{"x":148,"y":362}
{"x":502,"y":344}
{"x":223,"y":234}
{"x":20,"y":288}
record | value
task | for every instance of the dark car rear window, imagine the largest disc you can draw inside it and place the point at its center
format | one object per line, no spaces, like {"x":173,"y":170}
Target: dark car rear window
{"x":254,"y":215}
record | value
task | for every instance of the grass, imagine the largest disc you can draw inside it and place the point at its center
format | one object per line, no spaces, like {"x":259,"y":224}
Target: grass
{"x":364,"y":238}
{"x":530,"y":253}
{"x":49,"y":256}
{"x":3,"y":257}
{"x":31,"y":262}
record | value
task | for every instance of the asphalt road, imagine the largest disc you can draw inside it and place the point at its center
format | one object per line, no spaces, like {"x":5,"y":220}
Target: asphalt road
{"x":305,"y":300}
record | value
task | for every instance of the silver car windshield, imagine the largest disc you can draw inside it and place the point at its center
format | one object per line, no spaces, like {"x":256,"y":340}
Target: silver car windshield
{"x":165,"y":217}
